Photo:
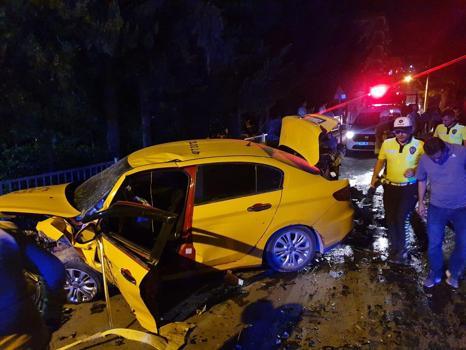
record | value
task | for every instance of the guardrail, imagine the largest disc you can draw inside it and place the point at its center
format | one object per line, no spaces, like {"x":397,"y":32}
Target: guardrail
{"x":53,"y":178}
{"x":69,"y":175}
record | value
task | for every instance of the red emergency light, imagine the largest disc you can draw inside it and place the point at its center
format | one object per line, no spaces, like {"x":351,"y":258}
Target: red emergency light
{"x":379,"y":91}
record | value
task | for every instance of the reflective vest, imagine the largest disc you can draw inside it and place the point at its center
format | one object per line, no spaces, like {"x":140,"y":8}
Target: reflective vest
{"x":455,"y":134}
{"x":400,"y":158}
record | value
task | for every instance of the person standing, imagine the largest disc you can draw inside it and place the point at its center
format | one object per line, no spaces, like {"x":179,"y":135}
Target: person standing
{"x":450,"y":131}
{"x":444,"y":167}
{"x":399,"y":156}
{"x":414,"y":116}
{"x":302,"y":110}
{"x":460,"y":117}
{"x":432,"y":117}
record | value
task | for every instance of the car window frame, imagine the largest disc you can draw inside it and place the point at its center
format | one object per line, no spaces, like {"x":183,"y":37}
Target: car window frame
{"x":280,"y":188}
{"x":129,"y":246}
{"x":132,"y":246}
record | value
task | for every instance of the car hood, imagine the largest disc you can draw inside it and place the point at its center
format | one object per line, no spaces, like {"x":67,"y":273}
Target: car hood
{"x":359,"y":130}
{"x":49,"y":200}
{"x":302,"y":134}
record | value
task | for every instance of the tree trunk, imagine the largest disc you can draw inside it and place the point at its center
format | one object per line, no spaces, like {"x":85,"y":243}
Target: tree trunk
{"x":234,"y":127}
{"x":111,"y":112}
{"x":263,"y":121}
{"x":145,"y":112}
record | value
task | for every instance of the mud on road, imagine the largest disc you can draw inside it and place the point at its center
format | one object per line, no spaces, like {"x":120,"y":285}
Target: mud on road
{"x":351,"y":298}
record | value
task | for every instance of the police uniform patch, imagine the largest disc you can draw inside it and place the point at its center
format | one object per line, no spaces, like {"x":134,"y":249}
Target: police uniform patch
{"x":454,"y":131}
{"x":412,"y":150}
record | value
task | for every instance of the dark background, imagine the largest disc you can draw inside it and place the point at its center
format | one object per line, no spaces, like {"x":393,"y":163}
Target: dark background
{"x":87,"y":81}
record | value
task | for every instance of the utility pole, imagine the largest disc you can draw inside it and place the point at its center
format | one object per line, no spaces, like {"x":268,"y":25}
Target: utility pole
{"x":426,"y":90}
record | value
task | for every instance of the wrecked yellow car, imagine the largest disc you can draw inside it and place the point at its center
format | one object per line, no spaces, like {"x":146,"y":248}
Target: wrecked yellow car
{"x":187,"y":206}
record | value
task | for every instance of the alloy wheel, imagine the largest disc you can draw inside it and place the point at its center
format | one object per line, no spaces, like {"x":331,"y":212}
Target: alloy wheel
{"x":79,"y":286}
{"x":292,"y":249}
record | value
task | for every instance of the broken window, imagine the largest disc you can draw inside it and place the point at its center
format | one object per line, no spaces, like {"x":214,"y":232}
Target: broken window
{"x":163,"y":189}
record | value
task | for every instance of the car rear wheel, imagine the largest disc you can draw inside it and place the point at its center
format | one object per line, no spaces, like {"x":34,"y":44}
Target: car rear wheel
{"x":290,"y":249}
{"x":82,"y":284}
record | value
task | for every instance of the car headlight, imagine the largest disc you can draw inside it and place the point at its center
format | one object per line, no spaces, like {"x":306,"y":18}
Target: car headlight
{"x":349,"y":134}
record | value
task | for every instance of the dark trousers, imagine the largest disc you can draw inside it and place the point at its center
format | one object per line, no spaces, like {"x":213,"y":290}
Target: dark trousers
{"x":399,"y":203}
{"x":437,"y":219}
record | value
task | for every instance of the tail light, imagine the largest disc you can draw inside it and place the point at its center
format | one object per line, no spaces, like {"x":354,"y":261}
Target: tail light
{"x":343,"y":194}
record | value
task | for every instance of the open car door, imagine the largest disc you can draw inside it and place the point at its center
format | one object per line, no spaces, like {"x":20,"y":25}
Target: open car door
{"x":134,"y":236}
{"x":301,"y":135}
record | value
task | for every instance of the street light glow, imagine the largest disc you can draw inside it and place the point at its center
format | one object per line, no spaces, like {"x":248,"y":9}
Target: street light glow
{"x":408,"y":78}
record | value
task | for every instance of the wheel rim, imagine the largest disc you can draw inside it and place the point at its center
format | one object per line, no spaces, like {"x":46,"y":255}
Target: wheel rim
{"x":292,"y":249}
{"x":79,"y":286}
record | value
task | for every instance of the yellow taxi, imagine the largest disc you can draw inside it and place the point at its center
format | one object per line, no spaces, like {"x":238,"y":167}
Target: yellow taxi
{"x":185,"y":206}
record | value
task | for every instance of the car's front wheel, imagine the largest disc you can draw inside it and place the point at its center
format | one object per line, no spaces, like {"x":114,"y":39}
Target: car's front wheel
{"x":290,"y":249}
{"x":82,"y":284}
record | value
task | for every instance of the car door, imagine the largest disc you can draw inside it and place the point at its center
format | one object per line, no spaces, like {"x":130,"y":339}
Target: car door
{"x":133,"y":243}
{"x":234,"y":205}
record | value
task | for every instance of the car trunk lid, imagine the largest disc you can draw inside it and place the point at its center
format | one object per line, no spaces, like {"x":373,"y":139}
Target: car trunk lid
{"x":301,"y":135}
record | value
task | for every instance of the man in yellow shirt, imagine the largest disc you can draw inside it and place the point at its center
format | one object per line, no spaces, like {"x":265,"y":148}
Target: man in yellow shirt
{"x":451,"y":131}
{"x":399,"y":156}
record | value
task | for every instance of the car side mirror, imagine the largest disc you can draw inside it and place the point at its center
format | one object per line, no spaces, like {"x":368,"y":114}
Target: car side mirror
{"x":86,"y":234}
{"x":131,"y":209}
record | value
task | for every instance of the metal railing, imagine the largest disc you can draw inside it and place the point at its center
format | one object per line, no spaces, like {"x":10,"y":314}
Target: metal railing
{"x":53,"y":178}
{"x":70,"y":175}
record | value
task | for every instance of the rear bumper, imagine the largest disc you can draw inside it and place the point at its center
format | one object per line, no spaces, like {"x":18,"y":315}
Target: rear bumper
{"x":335,"y":224}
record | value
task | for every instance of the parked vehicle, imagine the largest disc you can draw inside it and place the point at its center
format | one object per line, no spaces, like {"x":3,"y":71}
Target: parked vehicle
{"x":362,"y":134}
{"x":175,"y":208}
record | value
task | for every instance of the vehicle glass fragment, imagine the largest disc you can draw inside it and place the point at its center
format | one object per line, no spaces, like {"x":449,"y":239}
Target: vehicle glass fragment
{"x":93,"y":190}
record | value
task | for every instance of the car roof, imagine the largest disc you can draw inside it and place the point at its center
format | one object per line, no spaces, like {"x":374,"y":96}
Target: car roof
{"x":181,"y":151}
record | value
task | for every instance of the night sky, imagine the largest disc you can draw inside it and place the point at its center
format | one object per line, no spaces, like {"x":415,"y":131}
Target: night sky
{"x":184,"y":69}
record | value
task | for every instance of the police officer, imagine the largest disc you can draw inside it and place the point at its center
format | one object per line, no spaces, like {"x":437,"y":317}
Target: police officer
{"x":450,"y":131}
{"x":399,"y":156}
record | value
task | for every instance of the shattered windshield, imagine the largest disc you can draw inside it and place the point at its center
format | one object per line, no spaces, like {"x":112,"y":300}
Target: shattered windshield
{"x":94,"y":189}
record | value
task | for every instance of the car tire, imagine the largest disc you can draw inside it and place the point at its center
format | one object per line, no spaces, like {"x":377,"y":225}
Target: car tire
{"x":83,"y":284}
{"x":36,"y":288}
{"x":290,"y":249}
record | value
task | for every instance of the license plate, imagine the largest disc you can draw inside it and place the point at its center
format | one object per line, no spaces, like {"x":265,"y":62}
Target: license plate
{"x":362,"y":143}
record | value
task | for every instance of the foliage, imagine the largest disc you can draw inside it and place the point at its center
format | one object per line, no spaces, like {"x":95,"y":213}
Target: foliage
{"x":82,"y":81}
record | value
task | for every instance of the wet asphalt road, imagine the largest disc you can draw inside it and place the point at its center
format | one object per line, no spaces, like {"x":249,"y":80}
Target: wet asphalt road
{"x":351,"y":298}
